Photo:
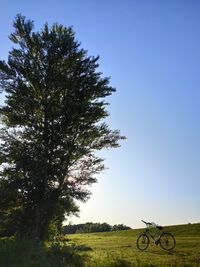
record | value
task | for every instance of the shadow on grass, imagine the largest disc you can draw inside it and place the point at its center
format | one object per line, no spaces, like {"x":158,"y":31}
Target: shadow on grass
{"x":25,"y":253}
{"x":120,"y":263}
{"x":82,"y":248}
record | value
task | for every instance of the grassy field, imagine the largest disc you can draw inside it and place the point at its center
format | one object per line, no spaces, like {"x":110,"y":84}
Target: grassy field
{"x":119,"y":248}
{"x":112,"y":249}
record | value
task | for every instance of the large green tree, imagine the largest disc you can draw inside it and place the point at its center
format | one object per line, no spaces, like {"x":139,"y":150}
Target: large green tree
{"x":52,"y":125}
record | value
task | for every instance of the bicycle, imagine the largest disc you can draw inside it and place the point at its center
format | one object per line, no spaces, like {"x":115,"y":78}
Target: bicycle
{"x":165,"y":239}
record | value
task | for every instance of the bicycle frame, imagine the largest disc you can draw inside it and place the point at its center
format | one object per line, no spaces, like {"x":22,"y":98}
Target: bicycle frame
{"x":151,"y":225}
{"x":157,"y":234}
{"x":154,"y":237}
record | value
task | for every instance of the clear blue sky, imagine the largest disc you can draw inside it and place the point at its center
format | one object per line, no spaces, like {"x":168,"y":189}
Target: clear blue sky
{"x":151,"y":51}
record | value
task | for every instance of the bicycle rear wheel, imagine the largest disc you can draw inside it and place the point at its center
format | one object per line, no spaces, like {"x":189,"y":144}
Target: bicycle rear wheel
{"x":142,"y":242}
{"x":167,"y":241}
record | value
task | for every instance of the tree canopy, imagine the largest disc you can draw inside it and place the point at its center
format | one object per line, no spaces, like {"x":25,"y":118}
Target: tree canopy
{"x":52,"y":123}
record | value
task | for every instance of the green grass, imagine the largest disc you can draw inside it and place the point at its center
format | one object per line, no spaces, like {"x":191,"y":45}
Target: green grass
{"x":112,"y":249}
{"x":119,"y":248}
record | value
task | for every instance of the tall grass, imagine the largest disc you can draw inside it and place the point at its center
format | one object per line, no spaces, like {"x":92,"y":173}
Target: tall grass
{"x":26,"y":253}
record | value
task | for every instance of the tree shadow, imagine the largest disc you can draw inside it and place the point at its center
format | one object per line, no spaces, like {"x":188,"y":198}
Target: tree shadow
{"x":120,"y":263}
{"x":82,"y":248}
{"x":26,"y":253}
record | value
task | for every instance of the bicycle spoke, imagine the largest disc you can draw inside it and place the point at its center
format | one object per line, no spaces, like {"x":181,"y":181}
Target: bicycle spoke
{"x":143,"y":242}
{"x":167,"y":241}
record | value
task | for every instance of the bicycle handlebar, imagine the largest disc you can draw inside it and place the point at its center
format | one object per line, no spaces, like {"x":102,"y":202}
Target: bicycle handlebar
{"x":148,"y":223}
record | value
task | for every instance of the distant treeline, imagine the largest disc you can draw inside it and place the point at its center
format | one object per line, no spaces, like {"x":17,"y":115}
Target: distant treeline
{"x":90,"y":227}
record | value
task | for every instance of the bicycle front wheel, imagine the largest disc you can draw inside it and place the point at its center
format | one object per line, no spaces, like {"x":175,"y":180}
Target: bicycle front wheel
{"x":142,"y":242}
{"x":167,"y":241}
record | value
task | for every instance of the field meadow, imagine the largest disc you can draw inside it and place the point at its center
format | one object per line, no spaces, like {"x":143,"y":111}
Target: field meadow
{"x":110,"y":249}
{"x":119,"y":248}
